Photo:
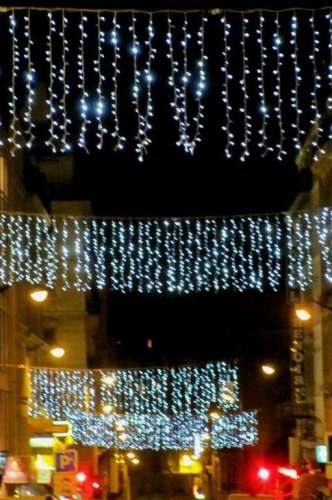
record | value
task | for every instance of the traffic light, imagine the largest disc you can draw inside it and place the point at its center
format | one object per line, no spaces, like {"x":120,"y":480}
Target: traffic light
{"x":264,"y":474}
{"x":81,"y":477}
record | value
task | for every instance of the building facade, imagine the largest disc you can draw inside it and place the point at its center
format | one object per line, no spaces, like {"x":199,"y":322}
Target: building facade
{"x":316,"y":395}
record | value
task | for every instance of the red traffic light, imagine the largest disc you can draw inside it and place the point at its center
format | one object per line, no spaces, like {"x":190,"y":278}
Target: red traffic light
{"x":81,"y":477}
{"x":263,"y":473}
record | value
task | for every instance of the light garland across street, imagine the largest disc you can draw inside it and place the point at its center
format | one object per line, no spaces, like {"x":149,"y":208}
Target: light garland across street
{"x":175,"y":256}
{"x":96,"y":74}
{"x":156,"y":391}
{"x":140,"y":432}
{"x":156,"y":408}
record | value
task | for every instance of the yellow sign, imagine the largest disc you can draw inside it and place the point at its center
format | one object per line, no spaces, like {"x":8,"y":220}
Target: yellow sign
{"x":189,"y":465}
{"x":64,"y":484}
{"x":43,"y":468}
{"x":44,"y":477}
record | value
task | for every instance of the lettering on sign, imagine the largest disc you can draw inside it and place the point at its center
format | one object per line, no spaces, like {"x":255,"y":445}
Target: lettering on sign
{"x":297,"y":365}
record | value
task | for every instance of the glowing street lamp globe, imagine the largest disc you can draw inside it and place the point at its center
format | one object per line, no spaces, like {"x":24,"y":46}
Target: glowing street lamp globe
{"x":57,"y":352}
{"x":39,"y":294}
{"x":302,"y":314}
{"x":268,"y":369}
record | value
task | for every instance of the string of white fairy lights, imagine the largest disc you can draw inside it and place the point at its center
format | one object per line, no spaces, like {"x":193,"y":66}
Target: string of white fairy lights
{"x":143,"y":118}
{"x":261,"y":86}
{"x":82,"y":140}
{"x":178,"y":256}
{"x":186,"y":49}
{"x":154,"y":408}
{"x":98,"y":68}
{"x":227,"y":77}
{"x":277,"y":44}
{"x":30,"y":79}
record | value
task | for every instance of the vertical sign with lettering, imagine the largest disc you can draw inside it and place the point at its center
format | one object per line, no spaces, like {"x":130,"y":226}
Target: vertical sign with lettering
{"x":297,"y":365}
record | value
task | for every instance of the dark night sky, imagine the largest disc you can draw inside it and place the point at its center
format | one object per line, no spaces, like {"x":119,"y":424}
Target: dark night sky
{"x":249,"y":327}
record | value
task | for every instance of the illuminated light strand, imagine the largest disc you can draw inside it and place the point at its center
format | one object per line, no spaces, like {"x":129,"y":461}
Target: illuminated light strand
{"x":166,"y":255}
{"x":150,"y":285}
{"x":99,"y":242}
{"x":65,"y":145}
{"x":87,"y":253}
{"x":141,"y":259}
{"x":274,"y":235}
{"x":307,"y":236}
{"x":198,"y":254}
{"x":156,"y":391}
{"x":15,"y":135}
{"x":245,"y":97}
{"x":296,"y":125}
{"x":82,"y":140}
{"x":329,"y":73}
{"x":98,"y":65}
{"x":261,"y":86}
{"x":189,"y":257}
{"x":39,"y":260}
{"x":198,"y":119}
{"x":64,"y":252}
{"x":30,"y":79}
{"x":119,"y":139}
{"x":316,"y":120}
{"x":225,"y":256}
{"x":277,"y":44}
{"x":252,"y":278}
{"x":51,"y":237}
{"x":185,"y":78}
{"x":150,"y":432}
{"x":208,"y":256}
{"x":174,"y":71}
{"x":225,"y":69}
{"x":28,"y":248}
{"x":131,"y":250}
{"x":323,"y":224}
{"x":300,"y":271}
{"x":190,"y":123}
{"x":78,"y":255}
{"x":143,"y":118}
{"x":290,"y":252}
{"x":3,"y":250}
{"x":158,"y":257}
{"x":179,"y":104}
{"x":52,"y":98}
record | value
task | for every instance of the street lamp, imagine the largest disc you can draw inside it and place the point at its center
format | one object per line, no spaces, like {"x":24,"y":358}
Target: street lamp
{"x":57,"y":352}
{"x":268,"y":369}
{"x":39,"y":294}
{"x":302,"y":313}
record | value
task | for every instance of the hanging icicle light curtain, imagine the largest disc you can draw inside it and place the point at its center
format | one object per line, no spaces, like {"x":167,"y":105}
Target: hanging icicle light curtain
{"x":145,"y":408}
{"x":165,"y":255}
{"x":155,"y":391}
{"x":104,"y":70}
{"x":163,"y":432}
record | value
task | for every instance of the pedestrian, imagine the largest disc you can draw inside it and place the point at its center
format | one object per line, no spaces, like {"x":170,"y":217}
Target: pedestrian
{"x":306,"y":487}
